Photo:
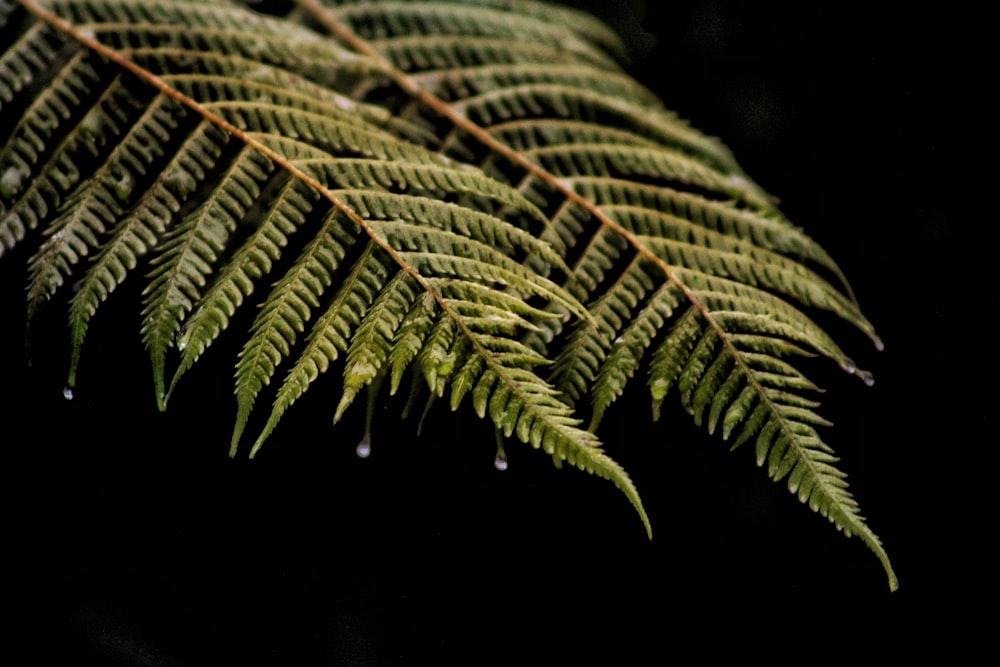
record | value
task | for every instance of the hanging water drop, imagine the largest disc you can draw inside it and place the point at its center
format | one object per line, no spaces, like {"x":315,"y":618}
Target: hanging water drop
{"x":500,"y":461}
{"x":68,"y":393}
{"x":364,"y":448}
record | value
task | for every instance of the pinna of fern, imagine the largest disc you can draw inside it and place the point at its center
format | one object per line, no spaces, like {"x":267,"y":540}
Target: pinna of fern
{"x":471,"y":193}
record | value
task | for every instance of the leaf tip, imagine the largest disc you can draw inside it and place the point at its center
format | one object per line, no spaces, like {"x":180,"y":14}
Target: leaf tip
{"x":345,"y":402}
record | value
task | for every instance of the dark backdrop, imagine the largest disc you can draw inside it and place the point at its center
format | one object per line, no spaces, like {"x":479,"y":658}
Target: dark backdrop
{"x":146,"y":544}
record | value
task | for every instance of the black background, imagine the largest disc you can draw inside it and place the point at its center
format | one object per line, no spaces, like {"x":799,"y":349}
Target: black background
{"x":145,"y":544}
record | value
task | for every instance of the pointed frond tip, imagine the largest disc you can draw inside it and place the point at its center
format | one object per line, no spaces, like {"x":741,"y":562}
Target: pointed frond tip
{"x":520,"y":403}
{"x":732,"y":372}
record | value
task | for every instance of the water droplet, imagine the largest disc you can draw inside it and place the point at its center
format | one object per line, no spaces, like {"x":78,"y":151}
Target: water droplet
{"x":10,"y":181}
{"x":364,"y":449}
{"x":68,"y":393}
{"x":123,"y":186}
{"x":345,"y":103}
{"x":868,"y":378}
{"x":500,"y":462}
{"x":181,"y":181}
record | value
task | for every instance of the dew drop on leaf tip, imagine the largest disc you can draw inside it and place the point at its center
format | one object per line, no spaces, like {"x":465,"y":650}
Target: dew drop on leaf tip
{"x":68,"y":393}
{"x":364,"y":448}
{"x":500,"y":461}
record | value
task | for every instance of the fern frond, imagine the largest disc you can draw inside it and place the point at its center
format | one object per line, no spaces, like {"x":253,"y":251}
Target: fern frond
{"x":742,"y":380}
{"x":606,"y":173}
{"x":291,"y":204}
{"x":146,"y":216}
{"x":628,"y":348}
{"x":470,"y":192}
{"x":664,"y":166}
{"x":28,"y":185}
{"x":286,"y":310}
{"x":189,"y":253}
{"x":679,"y":242}
{"x":555,"y":85}
{"x":60,"y":185}
{"x":371,"y":347}
{"x":763,"y":229}
{"x":535,"y":23}
{"x":543,"y":99}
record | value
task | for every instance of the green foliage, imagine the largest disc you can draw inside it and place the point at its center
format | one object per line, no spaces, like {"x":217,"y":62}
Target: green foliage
{"x":469,"y":193}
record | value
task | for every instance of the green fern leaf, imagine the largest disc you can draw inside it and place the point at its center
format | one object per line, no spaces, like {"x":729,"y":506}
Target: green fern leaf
{"x":472,"y":193}
{"x":188,"y":256}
